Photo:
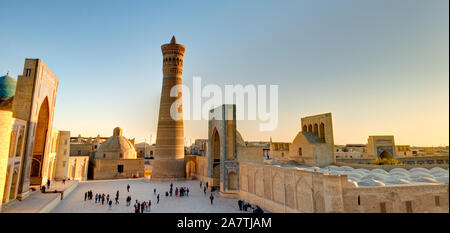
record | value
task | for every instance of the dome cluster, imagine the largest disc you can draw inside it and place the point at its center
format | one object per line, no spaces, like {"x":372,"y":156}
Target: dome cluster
{"x":398,"y":176}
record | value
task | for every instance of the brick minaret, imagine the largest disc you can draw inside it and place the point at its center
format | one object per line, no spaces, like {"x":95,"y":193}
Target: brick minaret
{"x":169,"y":154}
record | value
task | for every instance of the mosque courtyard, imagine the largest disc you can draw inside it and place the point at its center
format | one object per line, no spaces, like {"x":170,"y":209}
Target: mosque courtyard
{"x":142,"y":190}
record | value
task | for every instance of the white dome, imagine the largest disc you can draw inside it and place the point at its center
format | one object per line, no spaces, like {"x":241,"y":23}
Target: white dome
{"x":371,"y":182}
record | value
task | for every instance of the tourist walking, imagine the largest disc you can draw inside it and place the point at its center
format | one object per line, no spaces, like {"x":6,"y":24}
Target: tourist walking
{"x":107,"y":198}
{"x":240,"y":204}
{"x":204,"y":190}
{"x":154,"y":191}
{"x":187,"y":192}
{"x":157,"y":198}
{"x":110,"y":204}
{"x":103,"y":199}
{"x":211,"y":198}
{"x":149,"y":205}
{"x":64,"y":181}
{"x":85,"y":196}
{"x":48,"y":184}
{"x":200,"y":184}
{"x":117,"y":200}
{"x":128,"y":187}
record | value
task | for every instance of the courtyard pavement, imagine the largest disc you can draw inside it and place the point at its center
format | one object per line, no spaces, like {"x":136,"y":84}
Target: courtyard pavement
{"x":142,"y":190}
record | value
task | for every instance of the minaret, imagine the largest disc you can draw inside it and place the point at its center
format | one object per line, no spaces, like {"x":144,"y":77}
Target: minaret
{"x":169,"y":153}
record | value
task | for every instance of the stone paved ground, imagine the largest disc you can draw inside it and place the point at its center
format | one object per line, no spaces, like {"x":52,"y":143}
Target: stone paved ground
{"x":142,"y":190}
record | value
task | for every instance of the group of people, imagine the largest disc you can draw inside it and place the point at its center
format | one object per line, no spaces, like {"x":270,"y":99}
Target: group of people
{"x":101,"y":198}
{"x":141,"y":207}
{"x":244,"y":206}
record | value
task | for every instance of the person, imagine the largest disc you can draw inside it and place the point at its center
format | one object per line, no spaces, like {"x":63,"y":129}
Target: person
{"x":107,"y":198}
{"x":157,"y":198}
{"x":64,"y":181}
{"x":146,"y":207}
{"x":211,"y":198}
{"x":176,"y":192}
{"x":206,"y":184}
{"x":167,"y":194}
{"x":117,"y":194}
{"x":154,"y":191}
{"x":204,"y":190}
{"x":136,"y":207}
{"x":128,"y":187}
{"x":143,"y":206}
{"x":171,"y":191}
{"x":200,"y":184}
{"x":48,"y":183}
{"x":43,"y":188}
{"x":171,"y":185}
{"x":103,"y":199}
{"x":149,"y":205}
{"x":258,"y":210}
{"x":240,"y":204}
{"x":110,"y":204}
{"x":85,"y":196}
{"x":96,"y":197}
{"x":117,"y":199}
{"x":187,"y":192}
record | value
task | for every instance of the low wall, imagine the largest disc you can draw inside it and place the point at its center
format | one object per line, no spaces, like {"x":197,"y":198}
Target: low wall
{"x":430,"y":198}
{"x":288,"y":189}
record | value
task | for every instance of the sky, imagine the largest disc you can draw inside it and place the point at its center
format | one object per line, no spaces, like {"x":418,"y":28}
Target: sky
{"x":380,"y":67}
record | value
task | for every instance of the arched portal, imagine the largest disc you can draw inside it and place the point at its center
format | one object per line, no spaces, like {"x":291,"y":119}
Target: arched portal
{"x":386,"y":155}
{"x":305,"y":128}
{"x":216,"y":154}
{"x":316,"y":129}
{"x":310,"y":128}
{"x":322,"y":131}
{"x":190,"y":169}
{"x":40,"y":139}
{"x":232,"y":181}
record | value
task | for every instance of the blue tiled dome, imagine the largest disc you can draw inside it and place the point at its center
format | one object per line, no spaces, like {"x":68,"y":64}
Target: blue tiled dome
{"x":7,"y":86}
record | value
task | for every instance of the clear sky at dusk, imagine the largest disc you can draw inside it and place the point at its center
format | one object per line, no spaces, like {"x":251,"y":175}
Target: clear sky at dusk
{"x":380,"y":67}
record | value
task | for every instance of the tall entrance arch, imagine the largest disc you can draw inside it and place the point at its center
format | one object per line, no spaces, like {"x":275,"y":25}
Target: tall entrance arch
{"x":216,"y":154}
{"x":39,"y":147}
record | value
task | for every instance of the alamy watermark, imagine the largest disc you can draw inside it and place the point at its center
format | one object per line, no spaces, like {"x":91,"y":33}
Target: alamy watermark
{"x":261,"y":104}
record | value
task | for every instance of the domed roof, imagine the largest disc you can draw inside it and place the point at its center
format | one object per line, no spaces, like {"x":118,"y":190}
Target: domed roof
{"x":117,"y":146}
{"x":7,"y":86}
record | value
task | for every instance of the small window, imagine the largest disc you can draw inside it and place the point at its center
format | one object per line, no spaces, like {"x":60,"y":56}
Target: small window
{"x":383,"y":207}
{"x":359,"y":200}
{"x":28,"y":72}
{"x":104,"y":155}
{"x":300,"y":153}
{"x":119,"y":168}
{"x":79,"y":152}
{"x":409,"y":207}
{"x":437,"y":201}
